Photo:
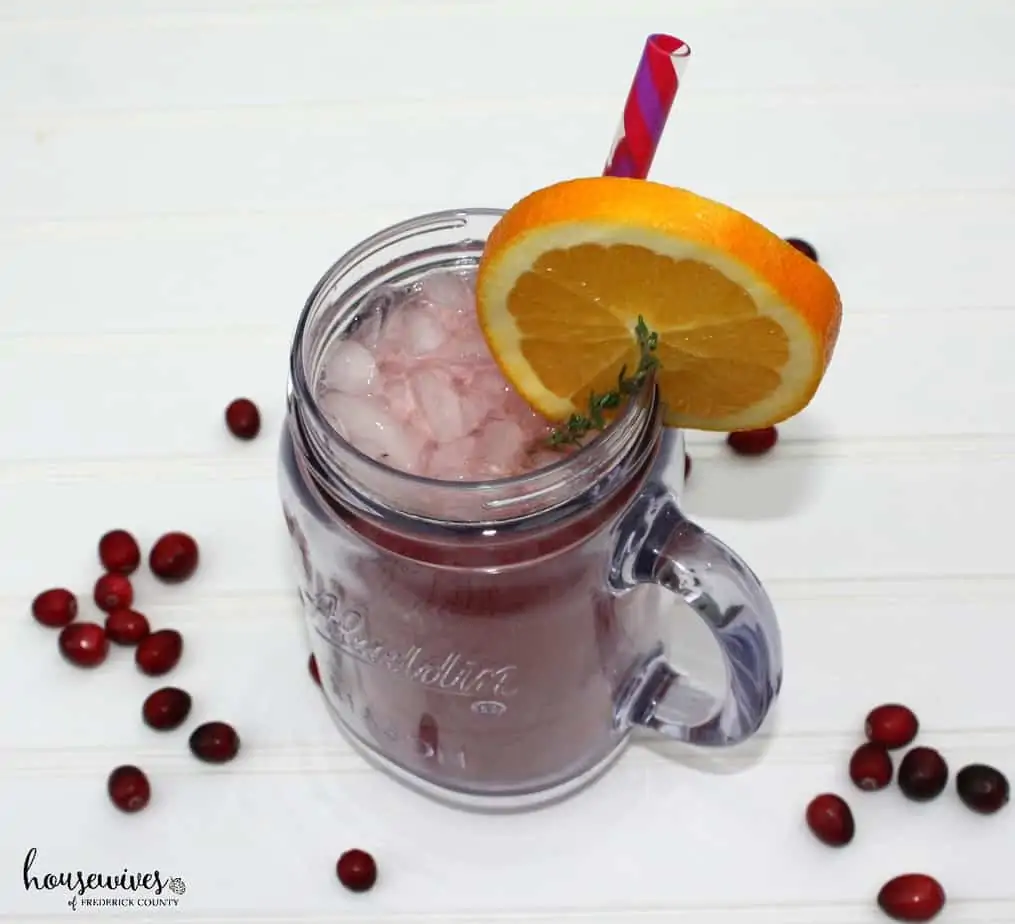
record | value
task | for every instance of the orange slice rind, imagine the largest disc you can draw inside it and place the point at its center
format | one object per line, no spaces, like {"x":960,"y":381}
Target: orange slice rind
{"x":746,"y":324}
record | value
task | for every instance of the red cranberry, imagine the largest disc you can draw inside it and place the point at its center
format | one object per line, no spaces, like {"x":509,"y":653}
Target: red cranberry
{"x":806,"y":249}
{"x":687,"y":466}
{"x":870,"y":767}
{"x":214,"y":742}
{"x":166,"y":709}
{"x":84,"y":644}
{"x":129,"y":788}
{"x":891,"y":725}
{"x":119,"y":552}
{"x":982,"y":788}
{"x":126,"y":627}
{"x":752,"y":442}
{"x":113,"y":592}
{"x":158,"y":653}
{"x":243,"y":419}
{"x":173,"y":558}
{"x":356,"y":870}
{"x":831,"y":820}
{"x":314,"y":672}
{"x":912,"y":897}
{"x":55,"y":608}
{"x":923,"y":774}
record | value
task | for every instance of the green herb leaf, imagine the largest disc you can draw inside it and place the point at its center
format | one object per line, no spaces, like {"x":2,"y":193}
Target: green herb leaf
{"x":578,"y":426}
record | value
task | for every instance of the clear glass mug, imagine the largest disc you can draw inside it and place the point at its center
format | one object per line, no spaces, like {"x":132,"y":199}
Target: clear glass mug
{"x":495,"y":644}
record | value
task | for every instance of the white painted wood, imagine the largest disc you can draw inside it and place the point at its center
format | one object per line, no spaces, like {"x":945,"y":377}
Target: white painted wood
{"x":178,"y":273}
{"x":880,"y":407}
{"x":498,"y":865}
{"x":175,"y":175}
{"x":841,"y":636}
{"x":139,"y":162}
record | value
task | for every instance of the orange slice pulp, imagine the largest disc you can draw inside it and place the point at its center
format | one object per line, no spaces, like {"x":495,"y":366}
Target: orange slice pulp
{"x":746,"y":324}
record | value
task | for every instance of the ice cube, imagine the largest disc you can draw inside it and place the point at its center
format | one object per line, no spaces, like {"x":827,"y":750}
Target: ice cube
{"x":451,"y":461}
{"x":369,"y":323}
{"x":470,"y":340}
{"x":366,"y":423}
{"x":350,"y":368}
{"x":466,"y":347}
{"x":421,"y":330}
{"x":475,"y":406}
{"x":405,"y":448}
{"x":515,"y":407}
{"x":440,"y":404}
{"x":491,"y":384}
{"x":398,"y":394}
{"x":448,"y":291}
{"x":356,"y":417}
{"x":534,"y":426}
{"x":499,"y":447}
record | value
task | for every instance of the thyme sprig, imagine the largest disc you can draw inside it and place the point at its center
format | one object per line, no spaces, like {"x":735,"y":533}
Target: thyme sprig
{"x":578,"y":426}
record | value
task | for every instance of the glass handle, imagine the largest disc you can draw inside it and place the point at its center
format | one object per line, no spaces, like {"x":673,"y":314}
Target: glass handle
{"x":663,"y":547}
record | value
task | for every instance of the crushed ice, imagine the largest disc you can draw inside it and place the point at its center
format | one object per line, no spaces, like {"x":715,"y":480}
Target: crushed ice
{"x":414,"y":386}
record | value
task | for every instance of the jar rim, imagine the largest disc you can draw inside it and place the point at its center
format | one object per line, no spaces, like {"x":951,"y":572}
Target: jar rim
{"x":323,"y":435}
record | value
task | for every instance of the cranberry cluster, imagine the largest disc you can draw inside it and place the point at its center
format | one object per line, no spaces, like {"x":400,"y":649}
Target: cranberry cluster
{"x":172,"y":559}
{"x":921,"y":777}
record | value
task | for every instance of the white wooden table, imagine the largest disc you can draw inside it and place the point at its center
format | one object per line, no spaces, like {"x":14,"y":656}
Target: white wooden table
{"x":174,"y":177}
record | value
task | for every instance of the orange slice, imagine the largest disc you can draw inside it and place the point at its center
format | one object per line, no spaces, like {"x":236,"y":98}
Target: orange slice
{"x":746,"y":323}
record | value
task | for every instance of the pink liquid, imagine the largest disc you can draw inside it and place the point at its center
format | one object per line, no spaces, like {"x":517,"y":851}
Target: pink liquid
{"x":416,"y":388}
{"x":486,"y":664}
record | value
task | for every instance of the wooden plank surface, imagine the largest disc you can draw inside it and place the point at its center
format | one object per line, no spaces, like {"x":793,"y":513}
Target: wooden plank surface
{"x":174,"y":177}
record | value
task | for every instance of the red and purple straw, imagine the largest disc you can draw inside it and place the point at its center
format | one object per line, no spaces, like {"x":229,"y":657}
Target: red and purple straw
{"x":648,"y":105}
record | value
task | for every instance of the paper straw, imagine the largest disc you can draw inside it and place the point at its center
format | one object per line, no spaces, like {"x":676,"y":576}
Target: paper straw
{"x":648,"y":105}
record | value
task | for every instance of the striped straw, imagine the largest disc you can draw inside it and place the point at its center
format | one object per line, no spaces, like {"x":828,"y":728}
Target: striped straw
{"x":648,"y":105}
